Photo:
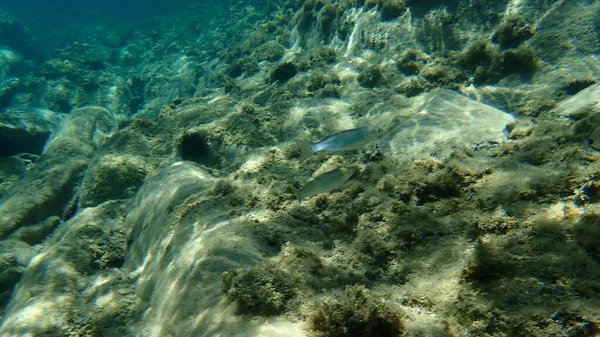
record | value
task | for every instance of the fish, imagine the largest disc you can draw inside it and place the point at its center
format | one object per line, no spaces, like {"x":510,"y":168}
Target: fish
{"x":325,"y":182}
{"x":342,"y":141}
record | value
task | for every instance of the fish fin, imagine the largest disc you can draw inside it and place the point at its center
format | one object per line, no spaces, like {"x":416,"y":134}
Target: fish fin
{"x":305,"y":148}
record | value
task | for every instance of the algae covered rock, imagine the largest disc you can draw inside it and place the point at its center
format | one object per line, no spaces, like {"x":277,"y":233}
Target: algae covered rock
{"x":48,"y":187}
{"x":443,"y":119}
{"x":112,"y":177}
{"x":81,"y":132}
{"x":77,"y":266}
{"x":9,"y":60}
{"x":263,"y":290}
{"x":17,"y":36}
{"x":356,"y":313}
{"x":26,"y":130}
{"x":14,"y":257}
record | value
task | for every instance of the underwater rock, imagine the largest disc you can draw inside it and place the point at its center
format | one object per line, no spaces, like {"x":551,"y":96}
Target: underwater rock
{"x":371,"y":77}
{"x":582,"y":104}
{"x":81,"y":133}
{"x":35,"y":234}
{"x":12,"y":170}
{"x":14,"y":257}
{"x":26,"y":130}
{"x":356,"y":313}
{"x":8,"y":62}
{"x":16,"y":36}
{"x":392,"y":9}
{"x":8,"y":89}
{"x":189,"y":240}
{"x":512,"y":32}
{"x":595,"y":138}
{"x":573,"y":87}
{"x":445,"y":119}
{"x":48,"y":186}
{"x":269,"y":51}
{"x":85,"y":56}
{"x":74,"y":278}
{"x":263,"y":290}
{"x":110,"y":178}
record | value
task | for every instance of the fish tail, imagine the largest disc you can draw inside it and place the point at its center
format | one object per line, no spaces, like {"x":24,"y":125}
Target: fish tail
{"x":306,"y":149}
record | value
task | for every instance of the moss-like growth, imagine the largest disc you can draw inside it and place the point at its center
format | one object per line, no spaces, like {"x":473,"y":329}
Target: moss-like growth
{"x":194,"y":146}
{"x":375,"y":252}
{"x":305,"y":20}
{"x":413,"y":88}
{"x":521,"y":60}
{"x":317,"y":82}
{"x":112,"y":177}
{"x":269,"y":51}
{"x":392,"y":9}
{"x":478,"y":54}
{"x":490,"y":65}
{"x":587,"y":235}
{"x":512,"y":32}
{"x":372,"y":3}
{"x":327,"y":17}
{"x":319,"y":4}
{"x":573,"y":87}
{"x":263,"y":290}
{"x":322,"y":55}
{"x":442,"y":75}
{"x":308,"y":5}
{"x":223,"y":188}
{"x":370,"y":77}
{"x":284,"y":72}
{"x":355,"y":314}
{"x":484,"y":60}
{"x":410,"y":63}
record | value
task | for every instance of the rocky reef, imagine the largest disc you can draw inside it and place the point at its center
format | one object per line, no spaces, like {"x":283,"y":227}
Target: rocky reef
{"x":154,"y":192}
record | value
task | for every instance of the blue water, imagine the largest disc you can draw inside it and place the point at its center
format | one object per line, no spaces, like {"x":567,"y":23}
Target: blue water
{"x":41,"y":22}
{"x":69,"y":11}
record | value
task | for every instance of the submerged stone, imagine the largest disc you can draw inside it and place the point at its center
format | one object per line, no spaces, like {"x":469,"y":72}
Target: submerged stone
{"x":444,"y":119}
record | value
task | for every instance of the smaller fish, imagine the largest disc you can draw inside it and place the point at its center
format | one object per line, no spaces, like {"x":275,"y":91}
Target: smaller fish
{"x":326,"y":182}
{"x":342,"y":141}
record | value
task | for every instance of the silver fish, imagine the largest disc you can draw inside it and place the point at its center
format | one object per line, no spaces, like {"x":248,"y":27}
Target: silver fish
{"x":326,"y":182}
{"x":344,"y":140}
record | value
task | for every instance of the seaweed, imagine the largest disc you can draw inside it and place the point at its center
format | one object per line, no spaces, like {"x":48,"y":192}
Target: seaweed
{"x":264,"y":290}
{"x":355,"y":314}
{"x":575,"y":86}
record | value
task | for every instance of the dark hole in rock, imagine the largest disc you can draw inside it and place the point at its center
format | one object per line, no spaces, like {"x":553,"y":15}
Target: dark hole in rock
{"x":64,"y":105}
{"x":70,"y":210}
{"x":195,"y":147}
{"x":96,"y":65}
{"x":5,"y":297}
{"x":236,"y":70}
{"x":284,"y":72}
{"x":135,"y":104}
{"x":10,"y":277}
{"x":13,"y":142}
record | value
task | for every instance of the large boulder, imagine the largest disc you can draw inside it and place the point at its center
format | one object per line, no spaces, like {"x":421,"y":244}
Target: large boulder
{"x":26,"y":130}
{"x":49,"y":186}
